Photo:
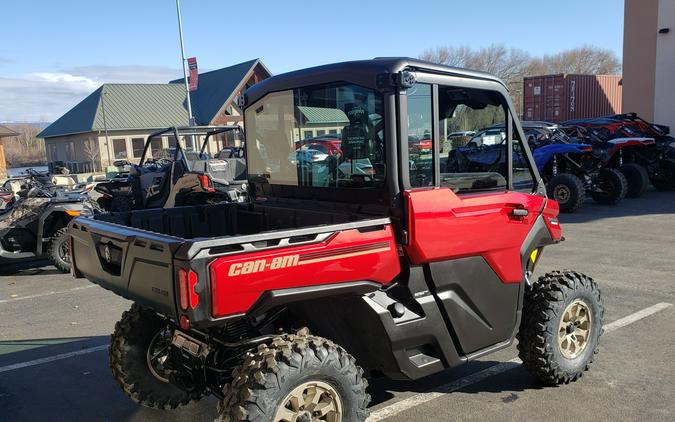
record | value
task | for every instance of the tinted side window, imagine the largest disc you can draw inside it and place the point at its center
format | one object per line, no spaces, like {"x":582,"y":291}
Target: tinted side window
{"x":420,"y":142}
{"x":473,"y":139}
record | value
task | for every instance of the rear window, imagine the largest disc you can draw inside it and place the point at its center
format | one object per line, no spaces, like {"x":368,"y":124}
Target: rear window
{"x":350,"y":113}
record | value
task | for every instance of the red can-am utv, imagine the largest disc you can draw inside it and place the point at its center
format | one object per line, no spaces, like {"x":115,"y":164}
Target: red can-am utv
{"x":282,"y":306}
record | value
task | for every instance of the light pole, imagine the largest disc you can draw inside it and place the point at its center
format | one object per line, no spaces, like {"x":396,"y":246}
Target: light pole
{"x":105,"y":125}
{"x":191,"y":121}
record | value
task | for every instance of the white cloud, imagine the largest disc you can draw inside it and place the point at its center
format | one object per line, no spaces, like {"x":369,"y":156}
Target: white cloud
{"x":45,"y":96}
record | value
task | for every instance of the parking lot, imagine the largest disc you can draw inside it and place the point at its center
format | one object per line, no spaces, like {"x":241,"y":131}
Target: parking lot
{"x":54,"y":330}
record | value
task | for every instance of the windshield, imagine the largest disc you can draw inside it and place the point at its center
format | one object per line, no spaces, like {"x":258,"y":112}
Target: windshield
{"x":278,"y":124}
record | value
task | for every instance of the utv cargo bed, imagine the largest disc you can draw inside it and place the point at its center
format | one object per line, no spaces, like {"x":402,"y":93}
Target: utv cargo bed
{"x":136,"y":254}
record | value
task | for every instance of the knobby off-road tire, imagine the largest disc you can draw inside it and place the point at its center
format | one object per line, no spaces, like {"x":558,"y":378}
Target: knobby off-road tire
{"x":264,"y":386}
{"x":614,"y":185}
{"x":58,"y":250}
{"x":560,"y":327}
{"x":128,"y":354}
{"x":568,"y":190}
{"x":666,"y":180}
{"x":637,"y":179}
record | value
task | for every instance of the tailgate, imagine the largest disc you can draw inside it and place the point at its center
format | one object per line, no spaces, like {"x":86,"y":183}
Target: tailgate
{"x":133,"y":263}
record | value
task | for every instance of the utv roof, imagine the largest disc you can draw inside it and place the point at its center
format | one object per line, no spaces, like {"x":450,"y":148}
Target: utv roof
{"x":361,"y":72}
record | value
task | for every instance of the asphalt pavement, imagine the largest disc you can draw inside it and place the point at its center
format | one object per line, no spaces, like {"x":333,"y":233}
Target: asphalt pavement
{"x":54,"y":330}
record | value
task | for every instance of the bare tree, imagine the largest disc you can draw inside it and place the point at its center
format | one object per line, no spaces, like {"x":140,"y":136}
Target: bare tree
{"x":92,"y":153}
{"x":508,"y":64}
{"x":25,"y":148}
{"x":511,"y":65}
{"x":586,"y":60}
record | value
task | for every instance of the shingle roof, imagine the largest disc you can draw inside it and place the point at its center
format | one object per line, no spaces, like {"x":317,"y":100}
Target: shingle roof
{"x":215,"y":88}
{"x":323,"y":115}
{"x":151,"y":106}
{"x":5,"y":131}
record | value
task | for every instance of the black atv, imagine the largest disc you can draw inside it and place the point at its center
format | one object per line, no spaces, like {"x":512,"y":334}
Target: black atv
{"x":36,"y":224}
{"x":176,"y":176}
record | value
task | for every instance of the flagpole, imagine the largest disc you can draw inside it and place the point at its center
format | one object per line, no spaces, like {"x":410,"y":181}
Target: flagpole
{"x":185,"y":72}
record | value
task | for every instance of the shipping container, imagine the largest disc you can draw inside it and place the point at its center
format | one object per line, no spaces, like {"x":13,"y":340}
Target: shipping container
{"x":564,"y":97}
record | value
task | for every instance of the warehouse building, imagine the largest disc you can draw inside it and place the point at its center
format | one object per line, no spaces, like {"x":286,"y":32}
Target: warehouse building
{"x":649,"y":60}
{"x":114,"y":121}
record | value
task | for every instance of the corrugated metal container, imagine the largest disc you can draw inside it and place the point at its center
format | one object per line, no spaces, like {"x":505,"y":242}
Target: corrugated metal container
{"x":564,"y":97}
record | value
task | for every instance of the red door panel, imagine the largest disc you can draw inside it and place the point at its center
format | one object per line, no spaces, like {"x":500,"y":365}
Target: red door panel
{"x":444,"y":226}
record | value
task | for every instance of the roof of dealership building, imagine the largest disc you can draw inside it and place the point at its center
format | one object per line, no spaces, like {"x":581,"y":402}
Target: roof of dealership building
{"x":5,"y":131}
{"x":151,"y":106}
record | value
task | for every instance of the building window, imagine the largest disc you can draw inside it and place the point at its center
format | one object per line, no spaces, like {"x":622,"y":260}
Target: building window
{"x":137,"y":145}
{"x":333,"y":132}
{"x":51,"y":152}
{"x":119,"y":148}
{"x":320,"y":132}
{"x":308,"y":134}
{"x":172,"y":141}
{"x":157,"y":148}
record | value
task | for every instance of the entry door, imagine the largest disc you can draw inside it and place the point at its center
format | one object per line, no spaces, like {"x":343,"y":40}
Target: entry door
{"x":467,"y":226}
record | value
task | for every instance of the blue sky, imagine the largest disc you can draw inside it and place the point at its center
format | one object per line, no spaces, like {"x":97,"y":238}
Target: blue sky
{"x":53,"y":53}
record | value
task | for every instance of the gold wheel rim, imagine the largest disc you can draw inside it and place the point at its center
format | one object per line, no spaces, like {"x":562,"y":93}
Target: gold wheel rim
{"x":574,"y":329}
{"x":311,"y":401}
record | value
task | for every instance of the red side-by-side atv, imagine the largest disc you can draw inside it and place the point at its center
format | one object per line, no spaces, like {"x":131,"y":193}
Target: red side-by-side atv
{"x":284,"y":305}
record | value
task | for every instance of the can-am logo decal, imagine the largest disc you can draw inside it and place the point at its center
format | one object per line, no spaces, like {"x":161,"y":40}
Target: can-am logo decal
{"x":288,"y":261}
{"x":259,"y":265}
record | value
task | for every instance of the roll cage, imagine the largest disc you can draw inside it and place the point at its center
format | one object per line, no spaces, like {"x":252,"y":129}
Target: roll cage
{"x":187,"y":131}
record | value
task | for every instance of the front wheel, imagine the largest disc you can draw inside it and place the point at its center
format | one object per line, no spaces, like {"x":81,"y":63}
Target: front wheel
{"x":637,"y":179}
{"x":296,"y":378}
{"x":665,"y":179}
{"x":561,"y":326}
{"x":568,"y":190}
{"x":610,"y":188}
{"x":59,"y":250}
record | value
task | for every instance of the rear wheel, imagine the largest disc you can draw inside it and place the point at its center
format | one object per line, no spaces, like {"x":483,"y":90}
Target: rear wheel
{"x":568,"y":190}
{"x":561,"y":326}
{"x":611,"y":187}
{"x":665,"y":180}
{"x":138,"y":349}
{"x":296,"y":378}
{"x":637,"y":178}
{"x":59,"y":250}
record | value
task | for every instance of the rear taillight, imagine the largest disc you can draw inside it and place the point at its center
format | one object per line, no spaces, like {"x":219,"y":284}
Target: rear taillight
{"x":183,"y":288}
{"x":206,"y":183}
{"x":187,"y":281}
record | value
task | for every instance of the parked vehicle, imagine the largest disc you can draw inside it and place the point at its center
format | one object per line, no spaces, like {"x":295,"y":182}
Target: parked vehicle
{"x":176,"y":176}
{"x":571,"y":170}
{"x":636,"y":157}
{"x":326,"y":144}
{"x":659,"y":161}
{"x":34,"y":223}
{"x":282,"y":306}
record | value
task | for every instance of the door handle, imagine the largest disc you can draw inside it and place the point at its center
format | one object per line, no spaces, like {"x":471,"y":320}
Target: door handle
{"x":519,"y":212}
